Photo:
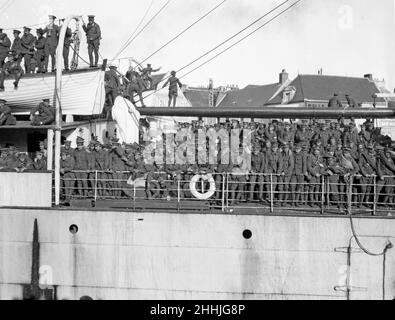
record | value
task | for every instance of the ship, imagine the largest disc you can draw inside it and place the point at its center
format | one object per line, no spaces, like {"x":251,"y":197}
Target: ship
{"x":163,"y":250}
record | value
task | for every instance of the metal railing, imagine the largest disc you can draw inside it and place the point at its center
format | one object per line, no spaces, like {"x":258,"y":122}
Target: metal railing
{"x":227,"y":191}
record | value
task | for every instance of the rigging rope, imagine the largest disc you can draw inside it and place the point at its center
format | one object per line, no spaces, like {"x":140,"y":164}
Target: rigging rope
{"x":185,"y":30}
{"x":145,"y":26}
{"x":138,"y":26}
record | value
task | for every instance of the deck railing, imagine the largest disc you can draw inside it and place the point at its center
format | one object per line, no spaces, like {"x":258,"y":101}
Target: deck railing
{"x":227,"y":191}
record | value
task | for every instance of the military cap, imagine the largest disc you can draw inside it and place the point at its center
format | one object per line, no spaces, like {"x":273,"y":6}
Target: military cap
{"x":173,"y":73}
{"x":51,"y":16}
{"x":46,"y":100}
{"x":347,"y":149}
{"x":111,"y":66}
{"x":67,"y":142}
{"x":3,"y":101}
{"x":40,"y":31}
{"x":1,"y":30}
{"x":16,"y":31}
{"x":114,"y":140}
{"x":80,"y":140}
{"x":91,"y":16}
{"x":27,"y":28}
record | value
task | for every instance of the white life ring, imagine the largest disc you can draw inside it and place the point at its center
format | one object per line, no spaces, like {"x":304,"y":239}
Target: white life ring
{"x":208,"y":194}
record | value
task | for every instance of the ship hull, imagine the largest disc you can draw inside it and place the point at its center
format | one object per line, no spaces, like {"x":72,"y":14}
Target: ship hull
{"x":126,"y":255}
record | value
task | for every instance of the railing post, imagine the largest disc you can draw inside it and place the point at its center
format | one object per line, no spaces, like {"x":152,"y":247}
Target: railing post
{"x":375,"y":195}
{"x":328,"y":194}
{"x":227,"y":190}
{"x":134,"y":195}
{"x":223,"y":191}
{"x":271,"y":194}
{"x":349,"y":202}
{"x":323,"y":195}
{"x":95,"y":185}
{"x":178,"y":195}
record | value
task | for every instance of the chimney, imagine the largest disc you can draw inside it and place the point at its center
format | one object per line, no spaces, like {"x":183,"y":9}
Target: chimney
{"x":368,"y":76}
{"x":211,"y":84}
{"x":283,"y":77}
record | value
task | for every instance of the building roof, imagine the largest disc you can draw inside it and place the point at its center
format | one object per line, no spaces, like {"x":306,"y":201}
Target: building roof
{"x":250,"y":96}
{"x":322,"y":88}
{"x":199,"y":98}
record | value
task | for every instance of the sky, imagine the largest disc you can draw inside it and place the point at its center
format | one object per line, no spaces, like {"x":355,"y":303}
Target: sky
{"x":343,"y":37}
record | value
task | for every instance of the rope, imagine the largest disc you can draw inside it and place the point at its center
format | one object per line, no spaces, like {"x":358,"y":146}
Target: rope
{"x":145,"y":26}
{"x":138,"y":26}
{"x":185,"y":30}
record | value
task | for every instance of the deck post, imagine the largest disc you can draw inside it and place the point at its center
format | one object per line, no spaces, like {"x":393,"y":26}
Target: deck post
{"x":58,"y":102}
{"x":50,"y":135}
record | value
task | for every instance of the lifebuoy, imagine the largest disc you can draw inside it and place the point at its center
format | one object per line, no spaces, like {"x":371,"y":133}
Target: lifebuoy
{"x":208,"y":194}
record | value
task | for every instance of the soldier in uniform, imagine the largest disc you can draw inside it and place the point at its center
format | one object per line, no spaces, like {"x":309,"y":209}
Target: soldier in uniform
{"x":93,"y":35}
{"x":82,"y":164}
{"x":335,"y":102}
{"x":67,"y":148}
{"x":298,"y":175}
{"x":146,"y":73}
{"x":333,"y":172}
{"x":22,"y":163}
{"x":11,"y":67}
{"x":351,"y":168}
{"x":368,"y":165}
{"x":27,"y":42}
{"x":117,"y":157}
{"x":67,"y":164}
{"x":40,"y":51}
{"x":112,"y":84}
{"x":286,"y":169}
{"x":17,"y":44}
{"x":45,"y":116}
{"x":51,"y":43}
{"x":102,"y":165}
{"x":351,"y":102}
{"x":39,"y":163}
{"x":5,"y":44}
{"x":315,"y":169}
{"x":6,"y":118}
{"x":173,"y":81}
{"x":257,"y":169}
{"x":385,"y":171}
{"x":272,"y":166}
{"x":67,"y":43}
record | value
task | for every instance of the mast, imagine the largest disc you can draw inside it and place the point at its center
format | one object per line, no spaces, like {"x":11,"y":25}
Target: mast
{"x":58,"y":101}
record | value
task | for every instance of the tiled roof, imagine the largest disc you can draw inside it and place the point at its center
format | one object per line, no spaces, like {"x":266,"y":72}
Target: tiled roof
{"x":322,"y":88}
{"x":199,"y":98}
{"x":250,"y":96}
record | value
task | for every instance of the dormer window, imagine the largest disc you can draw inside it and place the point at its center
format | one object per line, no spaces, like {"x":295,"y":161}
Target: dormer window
{"x":288,"y":94}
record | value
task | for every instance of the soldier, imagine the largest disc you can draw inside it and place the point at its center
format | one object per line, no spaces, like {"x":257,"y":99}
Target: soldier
{"x":45,"y":116}
{"x":257,"y":170}
{"x":67,"y":148}
{"x":302,"y":136}
{"x":146,"y":73}
{"x":51,"y":43}
{"x":92,"y":174}
{"x":298,"y":175}
{"x":335,"y":102}
{"x":368,"y":165}
{"x":315,"y":169}
{"x":82,"y":164}
{"x":102,"y":165}
{"x":22,"y":163}
{"x":117,"y":165}
{"x":112,"y":84}
{"x":386,"y":170}
{"x":6,"y":118}
{"x":351,"y":168}
{"x":27,"y":42}
{"x":67,"y":43}
{"x":272,"y":166}
{"x":333,"y":172}
{"x":173,"y":81}
{"x":39,"y":163}
{"x":287,"y":135}
{"x":93,"y":35}
{"x":40,"y":51}
{"x":67,"y":164}
{"x":5,"y":44}
{"x":286,"y":169}
{"x":11,"y":67}
{"x":351,"y":102}
{"x":17,"y":44}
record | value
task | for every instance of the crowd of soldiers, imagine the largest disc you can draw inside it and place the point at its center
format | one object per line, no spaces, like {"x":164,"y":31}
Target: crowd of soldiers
{"x":36,"y":51}
{"x":292,"y":164}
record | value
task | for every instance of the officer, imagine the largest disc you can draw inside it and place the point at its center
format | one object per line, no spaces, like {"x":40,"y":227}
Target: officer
{"x":173,"y":81}
{"x":17,"y":44}
{"x":45,"y":116}
{"x":286,"y":169}
{"x":82,"y":166}
{"x":40,"y":50}
{"x":67,"y":164}
{"x":52,"y":31}
{"x":11,"y":67}
{"x":93,"y":35}
{"x":67,"y":43}
{"x":335,"y":102}
{"x":5,"y":44}
{"x":27,"y":42}
{"x":112,"y":84}
{"x":6,"y":118}
{"x":39,"y":163}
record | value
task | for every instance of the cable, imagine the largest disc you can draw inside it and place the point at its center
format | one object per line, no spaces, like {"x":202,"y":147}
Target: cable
{"x":230,"y":38}
{"x":242,"y":39}
{"x":185,"y":30}
{"x":145,"y":26}
{"x":138,"y":26}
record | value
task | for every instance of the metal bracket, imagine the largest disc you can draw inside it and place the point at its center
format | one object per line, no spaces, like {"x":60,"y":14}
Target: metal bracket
{"x":346,"y":250}
{"x":350,"y":289}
